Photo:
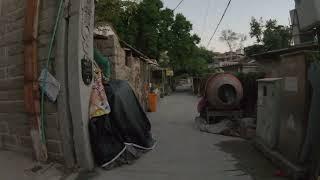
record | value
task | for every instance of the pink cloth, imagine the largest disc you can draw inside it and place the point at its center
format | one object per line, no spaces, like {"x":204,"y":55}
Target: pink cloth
{"x":202,"y":104}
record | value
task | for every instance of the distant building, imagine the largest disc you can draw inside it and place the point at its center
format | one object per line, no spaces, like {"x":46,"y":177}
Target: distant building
{"x":233,"y":62}
{"x":228,"y":56}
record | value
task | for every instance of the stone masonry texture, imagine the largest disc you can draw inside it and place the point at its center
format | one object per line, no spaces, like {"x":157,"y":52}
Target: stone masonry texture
{"x":134,"y":71}
{"x":14,"y":122}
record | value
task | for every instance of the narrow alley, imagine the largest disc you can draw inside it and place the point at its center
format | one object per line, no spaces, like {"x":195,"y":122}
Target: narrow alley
{"x":182,"y":152}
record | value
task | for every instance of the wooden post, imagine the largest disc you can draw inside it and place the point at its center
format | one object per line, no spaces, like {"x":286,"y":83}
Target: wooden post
{"x":31,"y":85}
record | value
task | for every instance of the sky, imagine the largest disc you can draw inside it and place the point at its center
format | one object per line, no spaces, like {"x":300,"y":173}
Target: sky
{"x":237,"y":18}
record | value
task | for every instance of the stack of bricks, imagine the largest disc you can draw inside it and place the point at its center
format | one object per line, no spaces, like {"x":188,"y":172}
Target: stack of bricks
{"x":14,"y":122}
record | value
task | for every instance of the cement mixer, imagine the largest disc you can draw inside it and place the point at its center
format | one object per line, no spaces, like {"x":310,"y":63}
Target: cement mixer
{"x":223,"y":91}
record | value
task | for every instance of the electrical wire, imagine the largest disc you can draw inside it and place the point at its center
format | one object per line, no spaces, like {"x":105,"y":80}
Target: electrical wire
{"x":215,"y":31}
{"x":178,"y":5}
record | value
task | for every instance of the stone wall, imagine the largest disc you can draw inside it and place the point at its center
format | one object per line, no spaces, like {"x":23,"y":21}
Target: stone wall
{"x":133,"y":69}
{"x":14,"y":122}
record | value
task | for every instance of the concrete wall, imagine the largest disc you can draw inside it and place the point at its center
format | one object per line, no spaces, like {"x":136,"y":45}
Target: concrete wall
{"x":295,"y":99}
{"x":270,"y":66}
{"x":136,"y":71}
{"x":14,"y":122}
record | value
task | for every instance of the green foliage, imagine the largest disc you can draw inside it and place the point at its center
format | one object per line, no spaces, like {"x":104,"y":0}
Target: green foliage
{"x":256,"y":29}
{"x":205,"y":54}
{"x":276,"y":36}
{"x":270,"y":34}
{"x":157,"y":32}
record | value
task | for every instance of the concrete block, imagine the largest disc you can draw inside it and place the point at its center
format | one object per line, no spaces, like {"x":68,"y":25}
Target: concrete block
{"x":3,"y":73}
{"x":46,"y":26}
{"x":52,"y":121}
{"x":108,"y":52}
{"x":18,"y":14}
{"x":44,"y":40}
{"x":54,"y":146}
{"x":11,"y":95}
{"x":12,"y":107}
{"x":9,"y":6}
{"x":49,"y":12}
{"x":15,"y":49}
{"x":53,"y":134}
{"x":50,"y":107}
{"x":13,"y":37}
{"x":43,"y":53}
{"x":46,"y":4}
{"x":19,"y":130}
{"x":15,"y":71}
{"x":4,"y":128}
{"x":17,"y":59}
{"x":20,"y":119}
{"x":10,"y":84}
{"x":108,"y":43}
{"x":2,"y":52}
{"x":2,"y":29}
{"x":14,"y":25}
{"x":25,"y":141}
{"x":9,"y":140}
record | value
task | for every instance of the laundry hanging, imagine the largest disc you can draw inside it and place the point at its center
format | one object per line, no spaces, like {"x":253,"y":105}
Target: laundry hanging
{"x":99,"y":104}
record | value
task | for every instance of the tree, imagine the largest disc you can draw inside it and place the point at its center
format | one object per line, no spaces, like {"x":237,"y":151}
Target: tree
{"x":165,"y":30}
{"x":156,"y":31}
{"x":183,"y":51}
{"x":232,"y":39}
{"x":271,"y":35}
{"x":256,"y":29}
{"x":276,"y":36}
{"x":205,"y":54}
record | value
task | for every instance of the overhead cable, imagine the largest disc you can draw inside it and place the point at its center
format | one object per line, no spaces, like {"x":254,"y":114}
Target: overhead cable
{"x":215,"y":31}
{"x":178,"y":5}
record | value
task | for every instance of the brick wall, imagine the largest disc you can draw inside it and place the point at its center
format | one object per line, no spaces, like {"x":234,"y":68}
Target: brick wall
{"x":135,"y":71}
{"x":14,"y":122}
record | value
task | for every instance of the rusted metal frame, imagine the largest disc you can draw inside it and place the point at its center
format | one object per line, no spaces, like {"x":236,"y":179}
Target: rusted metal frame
{"x":31,"y":85}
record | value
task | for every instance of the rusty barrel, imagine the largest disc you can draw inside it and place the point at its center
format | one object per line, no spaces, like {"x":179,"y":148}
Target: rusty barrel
{"x":224,"y":91}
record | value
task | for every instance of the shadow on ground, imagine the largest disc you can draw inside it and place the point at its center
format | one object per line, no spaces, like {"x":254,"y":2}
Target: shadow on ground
{"x":249,"y":160}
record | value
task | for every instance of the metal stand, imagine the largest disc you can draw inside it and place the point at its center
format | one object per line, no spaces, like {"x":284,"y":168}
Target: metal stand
{"x":214,"y":113}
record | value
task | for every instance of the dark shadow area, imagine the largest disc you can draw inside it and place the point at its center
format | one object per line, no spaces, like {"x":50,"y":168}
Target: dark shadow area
{"x":227,"y":93}
{"x":249,"y":160}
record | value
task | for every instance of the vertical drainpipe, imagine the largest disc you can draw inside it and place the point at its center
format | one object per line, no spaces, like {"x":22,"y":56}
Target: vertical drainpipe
{"x":31,"y":85}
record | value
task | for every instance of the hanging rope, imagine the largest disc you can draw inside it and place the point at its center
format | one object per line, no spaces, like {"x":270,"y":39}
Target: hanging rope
{"x":43,"y":138}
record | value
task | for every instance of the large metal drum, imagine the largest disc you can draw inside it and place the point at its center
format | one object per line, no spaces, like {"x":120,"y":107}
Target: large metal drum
{"x":224,"y":91}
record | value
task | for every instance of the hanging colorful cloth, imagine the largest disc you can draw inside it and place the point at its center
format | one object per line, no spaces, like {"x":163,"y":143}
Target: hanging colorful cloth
{"x":104,"y":64}
{"x":99,"y":105}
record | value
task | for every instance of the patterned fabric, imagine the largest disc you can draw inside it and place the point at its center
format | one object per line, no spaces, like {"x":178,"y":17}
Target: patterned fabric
{"x":99,"y":105}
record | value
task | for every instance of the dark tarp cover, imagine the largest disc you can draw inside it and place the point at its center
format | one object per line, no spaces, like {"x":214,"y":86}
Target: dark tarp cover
{"x":125,"y":128}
